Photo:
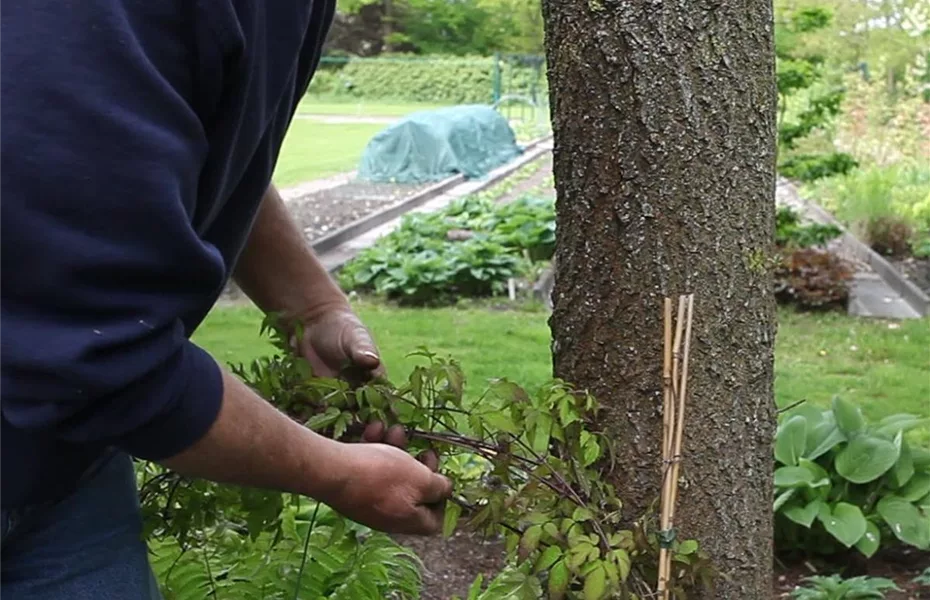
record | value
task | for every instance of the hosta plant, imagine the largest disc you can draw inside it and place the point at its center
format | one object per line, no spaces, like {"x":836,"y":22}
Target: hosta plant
{"x":835,"y":587}
{"x":842,"y":482}
{"x":471,"y":248}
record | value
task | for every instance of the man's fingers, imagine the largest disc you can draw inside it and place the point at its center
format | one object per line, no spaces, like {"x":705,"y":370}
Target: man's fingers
{"x":437,"y":489}
{"x":430,"y":519}
{"x":430,"y":459}
{"x":374,"y":432}
{"x":360,"y":348}
{"x":396,"y":436}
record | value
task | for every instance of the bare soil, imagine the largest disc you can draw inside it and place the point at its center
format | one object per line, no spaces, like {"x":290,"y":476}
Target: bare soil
{"x":450,"y":567}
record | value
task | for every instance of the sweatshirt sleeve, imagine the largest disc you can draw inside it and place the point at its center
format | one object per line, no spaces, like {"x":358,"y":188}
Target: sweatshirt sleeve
{"x":101,"y":155}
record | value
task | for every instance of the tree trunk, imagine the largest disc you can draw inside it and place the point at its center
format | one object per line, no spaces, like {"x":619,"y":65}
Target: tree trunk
{"x":664,"y":123}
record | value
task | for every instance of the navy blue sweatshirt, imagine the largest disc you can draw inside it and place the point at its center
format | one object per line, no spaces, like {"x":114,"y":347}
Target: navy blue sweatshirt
{"x":138,"y":137}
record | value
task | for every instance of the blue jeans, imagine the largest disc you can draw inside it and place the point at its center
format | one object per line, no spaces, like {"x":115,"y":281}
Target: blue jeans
{"x":87,"y":546}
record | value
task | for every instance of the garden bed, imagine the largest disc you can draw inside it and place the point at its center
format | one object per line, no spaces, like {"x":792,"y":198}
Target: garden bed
{"x":322,"y":212}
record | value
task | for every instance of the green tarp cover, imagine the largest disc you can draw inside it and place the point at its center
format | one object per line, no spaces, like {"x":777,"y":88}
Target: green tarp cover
{"x":432,"y":145}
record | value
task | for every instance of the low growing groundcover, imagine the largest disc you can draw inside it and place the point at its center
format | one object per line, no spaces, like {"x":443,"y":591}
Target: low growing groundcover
{"x":881,"y":366}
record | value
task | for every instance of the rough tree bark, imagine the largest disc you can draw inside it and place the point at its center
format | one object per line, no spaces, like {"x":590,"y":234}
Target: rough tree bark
{"x":664,"y":122}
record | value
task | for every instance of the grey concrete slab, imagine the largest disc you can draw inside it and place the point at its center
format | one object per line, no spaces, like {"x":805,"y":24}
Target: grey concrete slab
{"x":871,"y":296}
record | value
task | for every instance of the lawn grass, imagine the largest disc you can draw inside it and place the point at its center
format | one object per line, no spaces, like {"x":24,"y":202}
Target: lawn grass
{"x":364,"y":108}
{"x":885,"y":368}
{"x":313,"y":150}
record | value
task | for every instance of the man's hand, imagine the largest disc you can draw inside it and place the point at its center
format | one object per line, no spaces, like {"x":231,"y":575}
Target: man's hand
{"x":387,"y":489}
{"x":336,"y":337}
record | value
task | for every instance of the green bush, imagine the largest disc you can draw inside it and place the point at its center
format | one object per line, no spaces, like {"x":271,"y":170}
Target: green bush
{"x":469,"y":249}
{"x":843,"y":483}
{"x":434,"y":80}
{"x":811,"y":167}
{"x":791,"y":232}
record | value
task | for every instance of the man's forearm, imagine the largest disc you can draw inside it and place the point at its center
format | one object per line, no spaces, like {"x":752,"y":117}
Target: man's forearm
{"x":279,"y":271}
{"x":253,"y":444}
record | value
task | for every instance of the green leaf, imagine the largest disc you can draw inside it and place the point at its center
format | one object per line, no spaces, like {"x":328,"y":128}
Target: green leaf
{"x":921,"y":458}
{"x":844,"y":522}
{"x":895,"y":424}
{"x":500,"y":421}
{"x":793,"y":477}
{"x":866,"y":458}
{"x":324,"y":419}
{"x":903,"y":469}
{"x":804,"y":515}
{"x":790,"y":440}
{"x":905,"y":521}
{"x":450,"y":518}
{"x":825,"y":437}
{"x":848,"y":417}
{"x":540,"y":442}
{"x":782,"y":498}
{"x":595,"y":584}
{"x":548,"y":558}
{"x":917,"y":487}
{"x":687,"y":547}
{"x":869,"y":543}
{"x":624,"y":563}
{"x":530,"y":541}
{"x":474,"y":591}
{"x":558,"y":580}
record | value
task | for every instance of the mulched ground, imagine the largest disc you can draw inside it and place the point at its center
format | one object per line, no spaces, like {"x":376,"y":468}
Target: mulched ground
{"x":533,"y":183}
{"x":450,"y":567}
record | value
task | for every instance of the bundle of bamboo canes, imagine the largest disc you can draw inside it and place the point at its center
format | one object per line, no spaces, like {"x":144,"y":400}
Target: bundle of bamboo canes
{"x":675,"y":390}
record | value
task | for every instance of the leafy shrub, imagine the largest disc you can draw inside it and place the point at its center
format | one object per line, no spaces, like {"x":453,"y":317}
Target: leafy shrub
{"x":837,"y":588}
{"x":791,"y":232}
{"x":315,"y":554}
{"x":890,"y":236}
{"x":469,"y":249}
{"x":811,"y":167}
{"x":546,"y":492}
{"x":845,"y":483}
{"x":812,"y":278}
{"x":434,"y":80}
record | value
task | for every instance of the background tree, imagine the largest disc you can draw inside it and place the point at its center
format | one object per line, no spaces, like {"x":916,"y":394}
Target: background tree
{"x":664,"y":120}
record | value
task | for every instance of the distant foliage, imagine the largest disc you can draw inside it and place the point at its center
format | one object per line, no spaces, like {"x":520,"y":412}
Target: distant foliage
{"x":811,"y":167}
{"x":435,"y":79}
{"x":842,"y":482}
{"x":799,"y":70}
{"x":791,"y":232}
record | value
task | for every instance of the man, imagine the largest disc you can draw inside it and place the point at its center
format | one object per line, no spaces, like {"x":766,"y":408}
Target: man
{"x":138,"y":142}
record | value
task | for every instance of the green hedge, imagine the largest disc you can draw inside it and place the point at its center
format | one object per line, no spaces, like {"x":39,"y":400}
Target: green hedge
{"x":434,"y":80}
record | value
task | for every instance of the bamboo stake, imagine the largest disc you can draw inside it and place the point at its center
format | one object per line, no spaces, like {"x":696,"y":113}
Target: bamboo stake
{"x":683,"y":389}
{"x":668,"y":423}
{"x":674,"y":390}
